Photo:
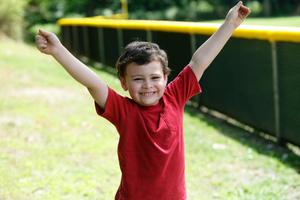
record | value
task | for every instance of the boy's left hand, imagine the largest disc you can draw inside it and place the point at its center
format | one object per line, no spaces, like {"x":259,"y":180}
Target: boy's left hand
{"x":237,"y":14}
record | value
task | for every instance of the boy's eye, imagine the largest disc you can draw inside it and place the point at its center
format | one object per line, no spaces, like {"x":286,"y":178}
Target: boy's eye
{"x":155,"y":77}
{"x":137,"y":79}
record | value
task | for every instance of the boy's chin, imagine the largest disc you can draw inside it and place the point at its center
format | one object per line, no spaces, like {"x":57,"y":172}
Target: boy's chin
{"x":147,"y":104}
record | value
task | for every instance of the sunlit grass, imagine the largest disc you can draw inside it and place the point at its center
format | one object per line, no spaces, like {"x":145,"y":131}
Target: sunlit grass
{"x":50,"y":135}
{"x":54,"y":146}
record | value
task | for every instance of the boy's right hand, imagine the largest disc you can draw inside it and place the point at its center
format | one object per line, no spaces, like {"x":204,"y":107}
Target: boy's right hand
{"x":47,"y":42}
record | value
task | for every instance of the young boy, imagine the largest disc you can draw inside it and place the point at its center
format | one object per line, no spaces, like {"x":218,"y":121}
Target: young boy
{"x":150,"y":124}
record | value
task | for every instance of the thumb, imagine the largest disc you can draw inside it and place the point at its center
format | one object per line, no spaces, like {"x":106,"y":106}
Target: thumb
{"x":44,"y":33}
{"x":50,"y":37}
{"x":238,"y":5}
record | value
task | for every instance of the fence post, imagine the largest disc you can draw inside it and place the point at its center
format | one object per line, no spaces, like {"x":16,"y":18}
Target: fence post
{"x":86,"y":41}
{"x":101,"y":45}
{"x":276,"y":92}
{"x":75,"y":40}
{"x":195,"y":98}
{"x":149,"y":36}
{"x":120,"y":41}
{"x":193,"y":44}
{"x":68,"y":38}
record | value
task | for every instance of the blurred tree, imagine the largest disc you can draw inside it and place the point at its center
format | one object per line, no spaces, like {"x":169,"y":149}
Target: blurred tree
{"x":13,"y":12}
{"x":280,"y":7}
{"x":12,"y":18}
{"x":44,"y":11}
{"x":267,"y":8}
{"x":90,"y":8}
{"x":297,"y":11}
{"x":49,"y":11}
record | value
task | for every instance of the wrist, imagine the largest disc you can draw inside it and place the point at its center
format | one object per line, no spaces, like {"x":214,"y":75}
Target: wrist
{"x":229,"y":24}
{"x":58,"y":50}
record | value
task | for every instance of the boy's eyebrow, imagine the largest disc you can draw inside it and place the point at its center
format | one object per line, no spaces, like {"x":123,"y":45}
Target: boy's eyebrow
{"x":135,"y":75}
{"x":154,"y":74}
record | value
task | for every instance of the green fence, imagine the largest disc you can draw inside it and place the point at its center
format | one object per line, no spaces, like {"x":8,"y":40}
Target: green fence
{"x":255,"y":79}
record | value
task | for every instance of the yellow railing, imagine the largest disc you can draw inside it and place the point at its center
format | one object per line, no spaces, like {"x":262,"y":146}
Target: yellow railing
{"x":270,"y":62}
{"x":272,"y":34}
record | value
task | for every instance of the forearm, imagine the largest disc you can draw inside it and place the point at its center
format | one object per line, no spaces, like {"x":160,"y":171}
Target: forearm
{"x":49,"y":44}
{"x":207,"y":52}
{"x":76,"y":68}
{"x":210,"y":49}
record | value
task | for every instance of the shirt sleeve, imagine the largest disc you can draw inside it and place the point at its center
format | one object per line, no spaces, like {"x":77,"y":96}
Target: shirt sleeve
{"x":116,"y":108}
{"x":184,"y":86}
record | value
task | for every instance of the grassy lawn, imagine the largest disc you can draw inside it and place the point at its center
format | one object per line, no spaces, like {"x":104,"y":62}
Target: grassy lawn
{"x":54,"y":146}
{"x":292,"y":21}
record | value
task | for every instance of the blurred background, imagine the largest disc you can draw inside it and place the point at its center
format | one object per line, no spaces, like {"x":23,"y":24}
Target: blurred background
{"x":19,"y":19}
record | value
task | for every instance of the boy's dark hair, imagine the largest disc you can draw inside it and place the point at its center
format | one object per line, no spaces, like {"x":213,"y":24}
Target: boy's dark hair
{"x":141,"y":53}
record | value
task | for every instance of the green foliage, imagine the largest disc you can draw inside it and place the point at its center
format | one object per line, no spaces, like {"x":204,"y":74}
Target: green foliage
{"x":44,"y":11}
{"x":189,"y":11}
{"x":283,"y":7}
{"x":13,"y":12}
{"x":255,"y":7}
{"x":12,"y":18}
{"x":33,"y":30}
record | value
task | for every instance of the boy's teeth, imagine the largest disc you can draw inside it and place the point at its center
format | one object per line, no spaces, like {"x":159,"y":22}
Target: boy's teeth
{"x":147,"y":94}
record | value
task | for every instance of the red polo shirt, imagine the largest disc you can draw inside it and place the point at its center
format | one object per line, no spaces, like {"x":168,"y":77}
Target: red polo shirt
{"x":151,"y":146}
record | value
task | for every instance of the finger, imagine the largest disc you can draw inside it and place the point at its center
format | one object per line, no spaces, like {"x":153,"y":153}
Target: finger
{"x":244,"y":11}
{"x":41,"y":41}
{"x":40,"y":46}
{"x":39,"y":37}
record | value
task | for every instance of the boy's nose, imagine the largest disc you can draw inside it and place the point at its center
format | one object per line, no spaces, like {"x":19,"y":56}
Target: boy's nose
{"x":147,"y":84}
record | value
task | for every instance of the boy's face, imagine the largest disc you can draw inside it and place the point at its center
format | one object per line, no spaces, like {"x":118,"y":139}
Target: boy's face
{"x":145,"y":83}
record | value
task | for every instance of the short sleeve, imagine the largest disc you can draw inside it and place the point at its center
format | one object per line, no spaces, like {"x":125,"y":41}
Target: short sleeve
{"x":184,"y":86}
{"x":116,"y":108}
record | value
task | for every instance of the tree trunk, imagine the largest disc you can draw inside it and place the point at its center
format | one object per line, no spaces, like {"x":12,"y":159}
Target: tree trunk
{"x":267,"y":8}
{"x":297,"y":11}
{"x":90,"y":8}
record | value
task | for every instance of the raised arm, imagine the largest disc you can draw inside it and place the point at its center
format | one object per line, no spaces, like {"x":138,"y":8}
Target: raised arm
{"x":207,"y":52}
{"x":48,"y":43}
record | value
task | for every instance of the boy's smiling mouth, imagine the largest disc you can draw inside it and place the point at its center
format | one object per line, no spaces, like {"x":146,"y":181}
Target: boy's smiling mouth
{"x":148,"y":93}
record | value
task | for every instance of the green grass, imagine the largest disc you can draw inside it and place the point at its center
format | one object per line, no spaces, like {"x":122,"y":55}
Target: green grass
{"x":292,"y":21}
{"x":54,"y":146}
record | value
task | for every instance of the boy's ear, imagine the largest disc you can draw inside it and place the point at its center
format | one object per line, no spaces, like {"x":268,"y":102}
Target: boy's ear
{"x":166,"y":79}
{"x":123,"y":83}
